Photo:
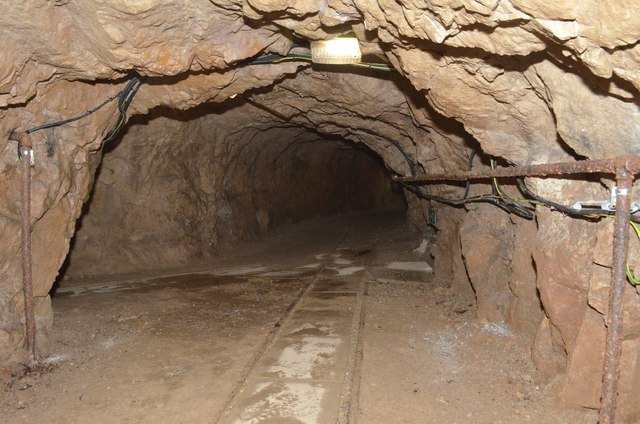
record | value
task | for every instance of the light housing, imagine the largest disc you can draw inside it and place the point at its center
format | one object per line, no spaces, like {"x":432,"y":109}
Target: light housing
{"x":336,"y":51}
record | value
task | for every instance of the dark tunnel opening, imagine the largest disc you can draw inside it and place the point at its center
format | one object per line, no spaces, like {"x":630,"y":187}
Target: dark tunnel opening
{"x":171,"y":192}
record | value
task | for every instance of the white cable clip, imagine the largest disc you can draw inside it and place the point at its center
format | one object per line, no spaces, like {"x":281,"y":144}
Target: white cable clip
{"x":618,"y":191}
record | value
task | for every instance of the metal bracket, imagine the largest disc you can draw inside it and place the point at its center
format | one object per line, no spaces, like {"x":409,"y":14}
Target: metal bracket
{"x":432,"y":217}
{"x":26,"y":152}
{"x":24,"y":149}
{"x":606,"y":205}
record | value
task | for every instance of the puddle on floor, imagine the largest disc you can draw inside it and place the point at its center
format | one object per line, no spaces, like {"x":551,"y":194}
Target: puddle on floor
{"x":341,"y":261}
{"x":350,"y":270}
{"x":311,"y":266}
{"x":299,"y":359}
{"x":242,"y":270}
{"x":416,"y":266}
{"x":192,"y":281}
{"x":293,"y":402}
{"x":285,"y":273}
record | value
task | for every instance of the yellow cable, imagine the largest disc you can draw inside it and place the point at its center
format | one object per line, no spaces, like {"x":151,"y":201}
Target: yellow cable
{"x":631,"y":276}
{"x":517,"y":200}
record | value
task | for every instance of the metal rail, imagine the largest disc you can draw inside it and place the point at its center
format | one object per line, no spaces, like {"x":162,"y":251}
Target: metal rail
{"x":624,"y":168}
{"x":603,"y":166}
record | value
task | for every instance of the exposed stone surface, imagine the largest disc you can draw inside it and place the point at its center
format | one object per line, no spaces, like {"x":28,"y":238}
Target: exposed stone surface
{"x":487,"y":247}
{"x":526,"y":80}
{"x":525,"y":311}
{"x":547,"y":352}
{"x":585,"y":366}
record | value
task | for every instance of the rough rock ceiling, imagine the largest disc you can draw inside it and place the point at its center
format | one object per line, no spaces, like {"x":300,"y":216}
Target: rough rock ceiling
{"x":510,"y":71}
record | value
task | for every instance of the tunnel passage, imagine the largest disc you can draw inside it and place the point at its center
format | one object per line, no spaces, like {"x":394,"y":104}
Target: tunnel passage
{"x":180,"y":187}
{"x":521,"y":82}
{"x":176,"y":190}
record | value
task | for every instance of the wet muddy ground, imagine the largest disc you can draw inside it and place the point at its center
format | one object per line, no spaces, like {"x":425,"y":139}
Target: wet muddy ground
{"x":327,"y":322}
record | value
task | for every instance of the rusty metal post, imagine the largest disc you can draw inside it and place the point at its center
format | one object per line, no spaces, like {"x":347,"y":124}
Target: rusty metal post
{"x":611,"y":373}
{"x":26,"y":155}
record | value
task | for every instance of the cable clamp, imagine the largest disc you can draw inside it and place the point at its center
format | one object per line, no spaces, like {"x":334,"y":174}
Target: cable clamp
{"x":26,"y":151}
{"x":606,"y":205}
{"x":619,"y":191}
{"x":24,"y":145}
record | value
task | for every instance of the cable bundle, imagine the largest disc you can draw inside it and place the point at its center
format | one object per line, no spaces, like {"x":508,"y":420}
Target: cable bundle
{"x":124,"y":98}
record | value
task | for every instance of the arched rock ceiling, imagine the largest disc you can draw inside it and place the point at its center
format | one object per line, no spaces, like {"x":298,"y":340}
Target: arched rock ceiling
{"x":516,"y":73}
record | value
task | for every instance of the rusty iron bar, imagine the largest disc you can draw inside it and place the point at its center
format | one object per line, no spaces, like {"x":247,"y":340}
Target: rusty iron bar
{"x":599,"y":166}
{"x":611,"y":371}
{"x":26,"y":156}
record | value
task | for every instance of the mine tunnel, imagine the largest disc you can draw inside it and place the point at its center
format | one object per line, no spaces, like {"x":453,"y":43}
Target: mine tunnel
{"x":194,"y":185}
{"x":256,"y":211}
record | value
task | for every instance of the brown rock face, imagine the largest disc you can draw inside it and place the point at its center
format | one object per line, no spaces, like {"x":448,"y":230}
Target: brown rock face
{"x":487,"y":256}
{"x":527,"y":81}
{"x":547,"y":352}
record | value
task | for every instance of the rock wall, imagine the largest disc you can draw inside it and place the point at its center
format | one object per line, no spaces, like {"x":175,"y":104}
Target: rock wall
{"x":529,"y":81}
{"x":549,"y":280}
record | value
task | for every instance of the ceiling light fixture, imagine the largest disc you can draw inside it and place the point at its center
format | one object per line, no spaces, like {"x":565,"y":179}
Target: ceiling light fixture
{"x":336,"y":51}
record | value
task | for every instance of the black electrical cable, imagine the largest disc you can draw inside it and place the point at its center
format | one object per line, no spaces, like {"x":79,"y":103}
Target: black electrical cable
{"x":485,"y":198}
{"x":509,"y":206}
{"x":124,"y":97}
{"x":67,"y":121}
{"x":266,"y":59}
{"x":124,"y":100}
{"x":273,"y":58}
{"x":522,"y":186}
{"x":467,"y":187}
{"x":501,"y":200}
{"x":567,"y":210}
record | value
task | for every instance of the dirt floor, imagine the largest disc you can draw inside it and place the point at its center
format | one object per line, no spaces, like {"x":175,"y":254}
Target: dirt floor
{"x":334,"y":320}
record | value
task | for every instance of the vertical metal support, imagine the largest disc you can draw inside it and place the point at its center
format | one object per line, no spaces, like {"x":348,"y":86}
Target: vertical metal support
{"x":26,"y":155}
{"x":611,"y":373}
